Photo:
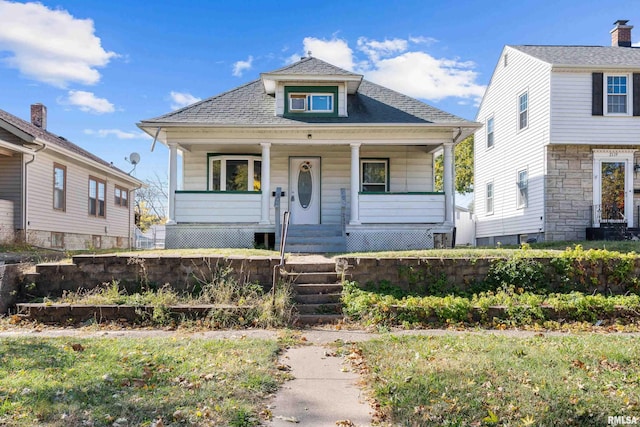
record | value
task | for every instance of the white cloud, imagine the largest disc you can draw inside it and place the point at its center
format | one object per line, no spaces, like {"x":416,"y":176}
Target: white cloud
{"x":423,"y":40}
{"x":182,"y":99}
{"x":335,"y":51}
{"x":420,"y":75}
{"x":51,"y":46}
{"x":242,"y":66}
{"x":392,"y":63}
{"x":88,"y":102}
{"x":117,"y":133}
{"x":376,"y":49}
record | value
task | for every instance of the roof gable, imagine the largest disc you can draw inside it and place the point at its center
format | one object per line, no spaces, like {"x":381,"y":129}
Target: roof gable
{"x":31,"y":133}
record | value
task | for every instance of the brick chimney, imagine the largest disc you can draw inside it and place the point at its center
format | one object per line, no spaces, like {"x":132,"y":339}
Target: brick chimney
{"x":39,"y":115}
{"x":621,"y":34}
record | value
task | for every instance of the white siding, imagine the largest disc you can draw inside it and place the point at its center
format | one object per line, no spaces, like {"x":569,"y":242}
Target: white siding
{"x":513,"y":149}
{"x":75,"y":219}
{"x":407,"y":208}
{"x":410,"y":168}
{"x":572,"y":122}
{"x":223,"y":207}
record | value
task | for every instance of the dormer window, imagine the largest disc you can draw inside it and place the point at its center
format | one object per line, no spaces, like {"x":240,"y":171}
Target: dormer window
{"x":312,"y":103}
{"x":311,"y":100}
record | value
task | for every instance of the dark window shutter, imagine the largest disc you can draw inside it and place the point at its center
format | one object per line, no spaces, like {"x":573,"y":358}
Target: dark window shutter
{"x":636,"y":94}
{"x":596,"y":94}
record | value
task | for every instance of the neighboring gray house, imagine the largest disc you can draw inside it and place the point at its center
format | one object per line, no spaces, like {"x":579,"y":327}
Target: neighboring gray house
{"x":557,"y":158}
{"x":54,"y":194}
{"x":353,"y":160}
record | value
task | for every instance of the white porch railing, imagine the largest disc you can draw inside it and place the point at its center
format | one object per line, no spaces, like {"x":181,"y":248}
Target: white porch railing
{"x":401,"y":208}
{"x":217,"y":207}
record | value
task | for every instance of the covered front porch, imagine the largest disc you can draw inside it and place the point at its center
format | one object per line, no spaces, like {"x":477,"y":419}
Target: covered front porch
{"x":377,"y":196}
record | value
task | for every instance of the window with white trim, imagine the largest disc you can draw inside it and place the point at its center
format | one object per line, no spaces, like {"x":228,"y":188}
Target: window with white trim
{"x":489,"y":198}
{"x":490,"y":133}
{"x":311,"y":102}
{"x":523,"y":111}
{"x":374,"y":175}
{"x":617,"y":94}
{"x":523,"y":189}
{"x":235,"y":173}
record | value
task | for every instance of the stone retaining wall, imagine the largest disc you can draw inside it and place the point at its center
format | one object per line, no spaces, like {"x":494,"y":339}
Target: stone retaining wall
{"x":459,"y":274}
{"x":182,"y":273}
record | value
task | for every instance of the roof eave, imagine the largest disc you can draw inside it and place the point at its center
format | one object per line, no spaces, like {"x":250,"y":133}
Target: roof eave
{"x":269,"y":80}
{"x":151,"y":127}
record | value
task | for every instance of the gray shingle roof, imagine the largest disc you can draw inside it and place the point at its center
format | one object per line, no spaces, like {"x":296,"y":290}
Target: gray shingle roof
{"x":310,"y":65}
{"x":580,"y":56}
{"x":250,"y":105}
{"x":53,"y":139}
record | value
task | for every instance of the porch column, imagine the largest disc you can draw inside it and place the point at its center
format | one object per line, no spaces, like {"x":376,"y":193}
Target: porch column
{"x":355,"y":183}
{"x":448,"y":183}
{"x":265,"y":184}
{"x":173,"y":182}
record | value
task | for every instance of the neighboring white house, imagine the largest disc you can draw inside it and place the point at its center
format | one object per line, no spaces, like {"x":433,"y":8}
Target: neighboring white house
{"x":54,"y":194}
{"x":557,"y":156}
{"x":353,"y":160}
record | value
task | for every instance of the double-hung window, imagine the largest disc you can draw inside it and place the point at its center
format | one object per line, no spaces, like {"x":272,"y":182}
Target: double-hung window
{"x":59,"y":187}
{"x":523,"y":189}
{"x":374,"y":175}
{"x":121,"y":196}
{"x":97,"y":191}
{"x":617,"y":94}
{"x":234,"y":173}
{"x":489,"y":198}
{"x":523,"y":111}
{"x":490,"y":133}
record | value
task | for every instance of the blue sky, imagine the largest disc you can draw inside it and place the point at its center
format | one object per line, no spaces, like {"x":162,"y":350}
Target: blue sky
{"x":102,"y":66}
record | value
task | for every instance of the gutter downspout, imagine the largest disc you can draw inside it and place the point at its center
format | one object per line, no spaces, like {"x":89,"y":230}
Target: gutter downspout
{"x":455,"y":139}
{"x":25,"y":193}
{"x":132,"y":206}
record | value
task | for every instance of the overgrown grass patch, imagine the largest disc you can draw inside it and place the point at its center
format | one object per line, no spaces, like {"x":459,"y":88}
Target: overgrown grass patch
{"x":517,"y":308}
{"x":483,"y":379}
{"x":70,"y":382}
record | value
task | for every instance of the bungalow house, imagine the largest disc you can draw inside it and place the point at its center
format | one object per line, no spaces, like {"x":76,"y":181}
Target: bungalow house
{"x":353,"y":162}
{"x":558,"y":157}
{"x":54,"y":194}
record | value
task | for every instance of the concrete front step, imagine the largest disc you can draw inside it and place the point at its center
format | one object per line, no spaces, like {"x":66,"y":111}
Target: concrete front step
{"x":318,"y":298}
{"x":328,"y":308}
{"x":318,"y":288}
{"x":318,"y":248}
{"x":314,"y":319}
{"x":301,"y":267}
{"x":321,"y":230}
{"x":310,"y":278}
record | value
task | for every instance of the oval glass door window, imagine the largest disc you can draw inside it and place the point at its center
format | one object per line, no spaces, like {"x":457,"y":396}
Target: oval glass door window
{"x":305,"y":186}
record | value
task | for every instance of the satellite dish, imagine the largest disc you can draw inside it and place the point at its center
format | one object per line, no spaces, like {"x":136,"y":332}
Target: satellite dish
{"x":134,"y":158}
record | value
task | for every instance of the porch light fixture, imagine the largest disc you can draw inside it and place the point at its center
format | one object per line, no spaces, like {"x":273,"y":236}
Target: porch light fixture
{"x":309,"y":136}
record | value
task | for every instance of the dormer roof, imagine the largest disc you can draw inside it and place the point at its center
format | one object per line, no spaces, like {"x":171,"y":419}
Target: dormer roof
{"x":309,"y":70}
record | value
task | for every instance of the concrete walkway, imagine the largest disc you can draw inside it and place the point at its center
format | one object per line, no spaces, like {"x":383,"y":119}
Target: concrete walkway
{"x":323,"y":393}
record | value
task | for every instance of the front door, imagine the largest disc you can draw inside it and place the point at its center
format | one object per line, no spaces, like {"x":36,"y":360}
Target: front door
{"x":304,"y":190}
{"x":613,"y":183}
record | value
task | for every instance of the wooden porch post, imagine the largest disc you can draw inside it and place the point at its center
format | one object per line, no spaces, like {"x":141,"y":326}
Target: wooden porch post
{"x":448,"y":184}
{"x":265,"y":184}
{"x":173,"y":182}
{"x":355,"y":183}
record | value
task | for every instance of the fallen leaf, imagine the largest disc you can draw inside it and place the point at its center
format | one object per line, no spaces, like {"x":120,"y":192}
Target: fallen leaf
{"x":77,"y":347}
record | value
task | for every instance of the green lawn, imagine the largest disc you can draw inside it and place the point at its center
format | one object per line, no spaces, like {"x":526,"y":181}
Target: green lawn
{"x":482,"y":379}
{"x":134,"y":382}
